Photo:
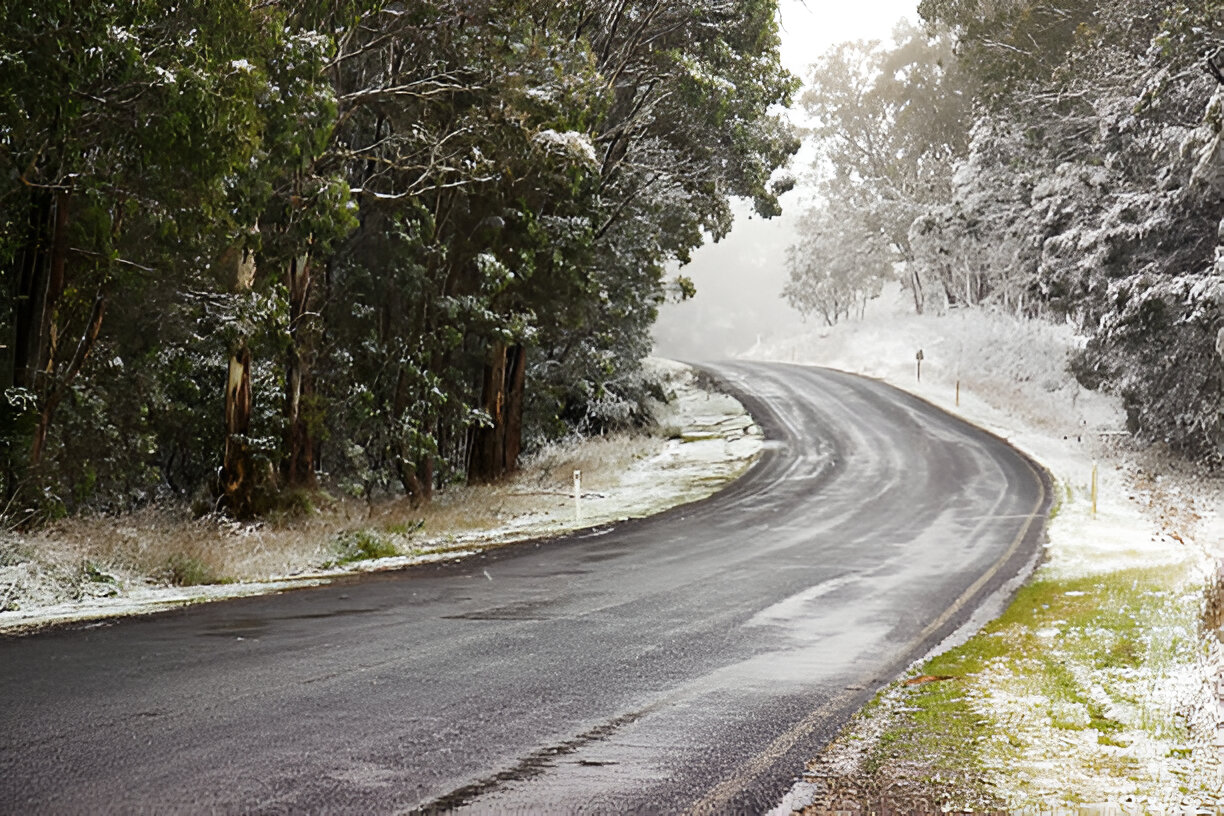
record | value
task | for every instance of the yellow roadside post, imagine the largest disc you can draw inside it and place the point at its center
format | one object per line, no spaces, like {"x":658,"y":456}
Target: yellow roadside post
{"x":1094,"y":489}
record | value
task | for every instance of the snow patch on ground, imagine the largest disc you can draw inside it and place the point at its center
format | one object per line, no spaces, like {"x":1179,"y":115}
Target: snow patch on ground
{"x":709,"y":441}
{"x":1010,"y":376}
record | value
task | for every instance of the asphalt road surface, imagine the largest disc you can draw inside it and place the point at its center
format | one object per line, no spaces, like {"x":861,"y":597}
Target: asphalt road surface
{"x":687,"y":662}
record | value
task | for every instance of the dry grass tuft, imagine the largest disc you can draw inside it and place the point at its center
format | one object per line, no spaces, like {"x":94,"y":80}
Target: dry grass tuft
{"x":601,"y":459}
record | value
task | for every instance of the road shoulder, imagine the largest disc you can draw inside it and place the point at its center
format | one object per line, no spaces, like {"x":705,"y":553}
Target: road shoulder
{"x":1095,"y":687}
{"x":90,"y":569}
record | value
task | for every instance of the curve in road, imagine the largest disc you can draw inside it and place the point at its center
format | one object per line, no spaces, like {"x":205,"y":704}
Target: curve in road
{"x":686,"y":662}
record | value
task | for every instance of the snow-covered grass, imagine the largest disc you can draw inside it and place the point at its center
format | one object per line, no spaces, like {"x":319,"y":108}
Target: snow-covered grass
{"x":94,"y":567}
{"x":1097,"y":687}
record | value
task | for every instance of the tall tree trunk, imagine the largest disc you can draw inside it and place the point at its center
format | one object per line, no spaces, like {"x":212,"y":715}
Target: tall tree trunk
{"x":496,"y":448}
{"x":30,"y":298}
{"x":916,"y":287}
{"x":407,"y":460}
{"x":62,"y":380}
{"x":238,"y":476}
{"x":39,"y":368}
{"x":237,"y":469}
{"x":425,"y":477}
{"x":516,"y":383}
{"x":27,"y":293}
{"x":298,"y":465}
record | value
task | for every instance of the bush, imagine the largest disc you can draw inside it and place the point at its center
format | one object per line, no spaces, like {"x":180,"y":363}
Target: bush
{"x":363,"y":545}
{"x":186,"y":570}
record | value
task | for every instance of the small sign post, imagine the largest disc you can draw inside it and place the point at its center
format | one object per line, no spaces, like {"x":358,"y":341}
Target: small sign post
{"x":918,"y":357}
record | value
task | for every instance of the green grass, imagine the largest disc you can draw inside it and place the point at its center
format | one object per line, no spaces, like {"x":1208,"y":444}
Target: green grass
{"x":363,"y":545}
{"x":405,"y":528}
{"x":96,"y":574}
{"x":1060,"y":497}
{"x":1107,"y":625}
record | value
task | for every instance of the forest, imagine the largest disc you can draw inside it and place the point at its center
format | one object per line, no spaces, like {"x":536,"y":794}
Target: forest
{"x":255,"y":250}
{"x":252,"y":250}
{"x":1055,"y":159}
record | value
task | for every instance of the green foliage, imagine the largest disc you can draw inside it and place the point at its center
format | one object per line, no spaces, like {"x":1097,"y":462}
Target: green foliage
{"x":1009,"y":45}
{"x":1091,"y":192}
{"x":363,"y":545}
{"x":416,"y":185}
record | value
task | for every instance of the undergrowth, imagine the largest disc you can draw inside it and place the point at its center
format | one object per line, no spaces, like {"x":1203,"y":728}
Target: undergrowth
{"x":364,"y":545}
{"x":186,"y":570}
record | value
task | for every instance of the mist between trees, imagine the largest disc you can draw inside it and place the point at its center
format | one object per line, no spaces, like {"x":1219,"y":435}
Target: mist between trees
{"x":1061,"y":159}
{"x":249,"y":249}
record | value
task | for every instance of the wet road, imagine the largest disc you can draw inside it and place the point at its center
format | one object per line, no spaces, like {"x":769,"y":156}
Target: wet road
{"x":691,"y":661}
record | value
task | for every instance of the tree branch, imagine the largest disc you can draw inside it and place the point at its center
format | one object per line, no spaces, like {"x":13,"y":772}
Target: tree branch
{"x":1214,"y":70}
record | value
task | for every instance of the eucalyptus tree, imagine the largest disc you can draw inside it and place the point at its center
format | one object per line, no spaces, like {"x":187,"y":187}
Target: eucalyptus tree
{"x":1106,"y":114}
{"x":531,"y":170}
{"x":457,"y":128}
{"x":120,"y":124}
{"x":370,"y":240}
{"x":889,"y":123}
{"x":295,"y":206}
{"x":838,"y":264}
{"x":694,"y":92}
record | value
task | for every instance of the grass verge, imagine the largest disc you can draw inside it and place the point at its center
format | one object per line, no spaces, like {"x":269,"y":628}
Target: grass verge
{"x":1078,"y":694}
{"x":94,"y":566}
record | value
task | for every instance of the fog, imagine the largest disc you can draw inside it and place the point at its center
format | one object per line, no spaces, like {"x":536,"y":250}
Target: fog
{"x":739,"y":279}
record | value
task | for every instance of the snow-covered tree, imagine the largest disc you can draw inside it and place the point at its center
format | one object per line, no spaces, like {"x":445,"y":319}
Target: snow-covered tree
{"x":888,"y":124}
{"x":1090,"y":192}
{"x":838,"y":265}
{"x":380,"y":243}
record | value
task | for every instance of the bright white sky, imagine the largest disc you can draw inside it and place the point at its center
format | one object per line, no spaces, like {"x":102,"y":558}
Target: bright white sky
{"x":809,"y":27}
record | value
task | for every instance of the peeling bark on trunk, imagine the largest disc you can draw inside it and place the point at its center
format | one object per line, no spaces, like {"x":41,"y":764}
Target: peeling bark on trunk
{"x":495,"y":449}
{"x":237,"y":469}
{"x":298,"y":465}
{"x":238,"y":477}
{"x":425,"y":477}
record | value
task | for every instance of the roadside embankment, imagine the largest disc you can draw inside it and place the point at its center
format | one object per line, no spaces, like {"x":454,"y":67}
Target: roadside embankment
{"x":90,"y":568}
{"x":1096,"y":688}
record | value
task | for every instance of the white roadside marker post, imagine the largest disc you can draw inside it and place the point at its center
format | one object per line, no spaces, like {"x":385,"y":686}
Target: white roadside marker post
{"x":578,"y":495}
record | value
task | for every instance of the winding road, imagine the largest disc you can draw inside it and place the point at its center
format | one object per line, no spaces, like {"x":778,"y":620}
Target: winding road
{"x":687,"y":662}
